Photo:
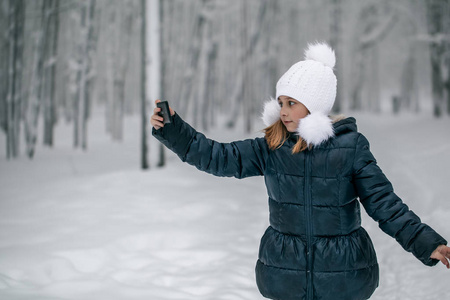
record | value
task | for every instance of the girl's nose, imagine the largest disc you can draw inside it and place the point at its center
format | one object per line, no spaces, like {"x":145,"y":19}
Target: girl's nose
{"x":283,"y":111}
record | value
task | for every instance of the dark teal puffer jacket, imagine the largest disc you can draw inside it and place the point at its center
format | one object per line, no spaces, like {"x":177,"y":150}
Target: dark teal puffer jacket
{"x":315,"y":247}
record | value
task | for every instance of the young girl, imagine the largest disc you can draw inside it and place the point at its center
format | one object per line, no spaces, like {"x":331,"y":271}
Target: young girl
{"x":315,"y":170}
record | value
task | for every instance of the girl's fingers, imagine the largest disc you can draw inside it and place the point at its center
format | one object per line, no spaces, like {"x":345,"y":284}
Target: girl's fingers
{"x":444,"y":250}
{"x":442,"y":258}
{"x":157,"y":124}
{"x":157,"y":121}
{"x":445,"y":262}
{"x":157,"y":117}
{"x":446,"y":255}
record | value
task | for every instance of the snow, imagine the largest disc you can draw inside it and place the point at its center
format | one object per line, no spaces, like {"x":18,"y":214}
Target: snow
{"x":91,"y":225}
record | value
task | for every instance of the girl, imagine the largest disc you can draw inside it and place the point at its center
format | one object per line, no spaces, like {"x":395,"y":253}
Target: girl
{"x":315,"y":170}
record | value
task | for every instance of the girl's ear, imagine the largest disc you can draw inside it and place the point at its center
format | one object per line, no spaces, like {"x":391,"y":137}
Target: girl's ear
{"x":271,"y":112}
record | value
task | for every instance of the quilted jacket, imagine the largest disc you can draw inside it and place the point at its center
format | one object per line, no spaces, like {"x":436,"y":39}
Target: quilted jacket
{"x":315,"y":247}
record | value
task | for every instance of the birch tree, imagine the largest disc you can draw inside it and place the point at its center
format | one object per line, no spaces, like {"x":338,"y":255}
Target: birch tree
{"x":84,"y":75}
{"x":157,"y":59}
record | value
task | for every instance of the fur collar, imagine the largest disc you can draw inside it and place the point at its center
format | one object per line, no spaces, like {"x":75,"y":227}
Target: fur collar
{"x":315,"y":128}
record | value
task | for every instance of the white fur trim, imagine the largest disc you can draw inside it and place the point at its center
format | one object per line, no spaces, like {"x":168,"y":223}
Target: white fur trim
{"x":315,"y":128}
{"x":271,"y":112}
{"x":321,"y":52}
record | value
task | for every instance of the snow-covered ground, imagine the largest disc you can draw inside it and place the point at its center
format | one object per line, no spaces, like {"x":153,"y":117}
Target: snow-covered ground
{"x":91,"y":225}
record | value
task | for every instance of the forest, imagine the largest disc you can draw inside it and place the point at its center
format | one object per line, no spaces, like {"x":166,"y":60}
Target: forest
{"x":211,"y":59}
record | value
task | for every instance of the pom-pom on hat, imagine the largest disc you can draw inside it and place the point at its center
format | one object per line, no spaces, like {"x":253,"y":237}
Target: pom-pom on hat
{"x":313,"y":83}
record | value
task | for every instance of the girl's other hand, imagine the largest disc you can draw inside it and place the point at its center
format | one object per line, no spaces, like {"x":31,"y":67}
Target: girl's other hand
{"x":156,"y":120}
{"x":442,"y":253}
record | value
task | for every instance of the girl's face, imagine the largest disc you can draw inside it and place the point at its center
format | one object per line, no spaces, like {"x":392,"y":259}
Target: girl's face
{"x":291,"y":112}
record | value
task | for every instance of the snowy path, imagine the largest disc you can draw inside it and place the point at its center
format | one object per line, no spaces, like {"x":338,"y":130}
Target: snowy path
{"x":91,"y":226}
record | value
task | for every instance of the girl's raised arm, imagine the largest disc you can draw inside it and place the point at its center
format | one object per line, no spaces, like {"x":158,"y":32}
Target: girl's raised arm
{"x":236,"y":159}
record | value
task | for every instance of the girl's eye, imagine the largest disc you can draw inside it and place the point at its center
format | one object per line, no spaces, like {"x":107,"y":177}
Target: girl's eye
{"x":291,"y":103}
{"x":280,"y":104}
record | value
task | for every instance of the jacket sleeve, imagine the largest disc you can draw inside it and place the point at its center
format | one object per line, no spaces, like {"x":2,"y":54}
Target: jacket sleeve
{"x":384,"y":206}
{"x":238,"y":159}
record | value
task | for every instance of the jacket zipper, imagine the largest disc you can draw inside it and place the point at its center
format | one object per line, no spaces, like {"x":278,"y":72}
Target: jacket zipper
{"x":308,"y":212}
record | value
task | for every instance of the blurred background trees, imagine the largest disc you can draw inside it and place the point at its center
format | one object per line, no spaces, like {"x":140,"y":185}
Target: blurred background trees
{"x":216,"y":61}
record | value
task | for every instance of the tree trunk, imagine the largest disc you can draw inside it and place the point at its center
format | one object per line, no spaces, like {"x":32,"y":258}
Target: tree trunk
{"x":244,"y":95}
{"x":191,"y":105}
{"x":205,"y":66}
{"x":435,"y":22}
{"x":120,"y":66}
{"x":89,"y":75}
{"x":144,"y":143}
{"x":15,"y":63}
{"x":374,"y":25}
{"x":437,"y":86}
{"x":159,"y":69}
{"x":51,"y":41}
{"x":36,"y":84}
{"x":335,"y":43}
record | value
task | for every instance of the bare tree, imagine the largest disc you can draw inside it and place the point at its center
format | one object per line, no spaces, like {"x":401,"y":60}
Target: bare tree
{"x":36,"y":91}
{"x":191,"y":83}
{"x":160,"y":66}
{"x":49,"y":72}
{"x":245,"y":96}
{"x":375,"y":22}
{"x":121,"y":21}
{"x":409,"y":87}
{"x":84,"y":77}
{"x":144,"y":143}
{"x":12,"y":107}
{"x":439,"y":42}
{"x":336,"y":44}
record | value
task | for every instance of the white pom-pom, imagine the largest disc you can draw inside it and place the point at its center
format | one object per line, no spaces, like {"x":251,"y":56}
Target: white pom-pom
{"x":315,"y":128}
{"x":271,"y":112}
{"x":321,"y":52}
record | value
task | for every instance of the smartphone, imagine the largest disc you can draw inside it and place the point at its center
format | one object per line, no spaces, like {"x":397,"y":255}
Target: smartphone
{"x":165,"y":111}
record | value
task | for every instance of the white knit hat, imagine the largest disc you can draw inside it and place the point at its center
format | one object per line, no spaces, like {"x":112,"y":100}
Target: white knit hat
{"x":313,"y":83}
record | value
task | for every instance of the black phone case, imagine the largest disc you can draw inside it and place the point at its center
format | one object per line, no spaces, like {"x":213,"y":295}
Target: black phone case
{"x":165,"y":112}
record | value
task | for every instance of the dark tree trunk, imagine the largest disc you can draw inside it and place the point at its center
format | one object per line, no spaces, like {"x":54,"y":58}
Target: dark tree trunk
{"x":14,"y":90}
{"x":435,"y":12}
{"x":162,"y":81}
{"x":51,"y":49}
{"x":144,"y":143}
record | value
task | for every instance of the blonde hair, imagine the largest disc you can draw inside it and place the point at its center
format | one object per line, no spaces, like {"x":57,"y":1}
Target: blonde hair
{"x":276,"y":134}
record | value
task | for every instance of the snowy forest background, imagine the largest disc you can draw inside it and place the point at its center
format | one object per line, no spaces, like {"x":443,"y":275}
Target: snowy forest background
{"x":85,"y":211}
{"x":62,"y":59}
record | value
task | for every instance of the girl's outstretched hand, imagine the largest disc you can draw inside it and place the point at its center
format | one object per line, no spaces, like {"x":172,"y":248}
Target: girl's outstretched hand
{"x":156,"y":120}
{"x":442,"y":253}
